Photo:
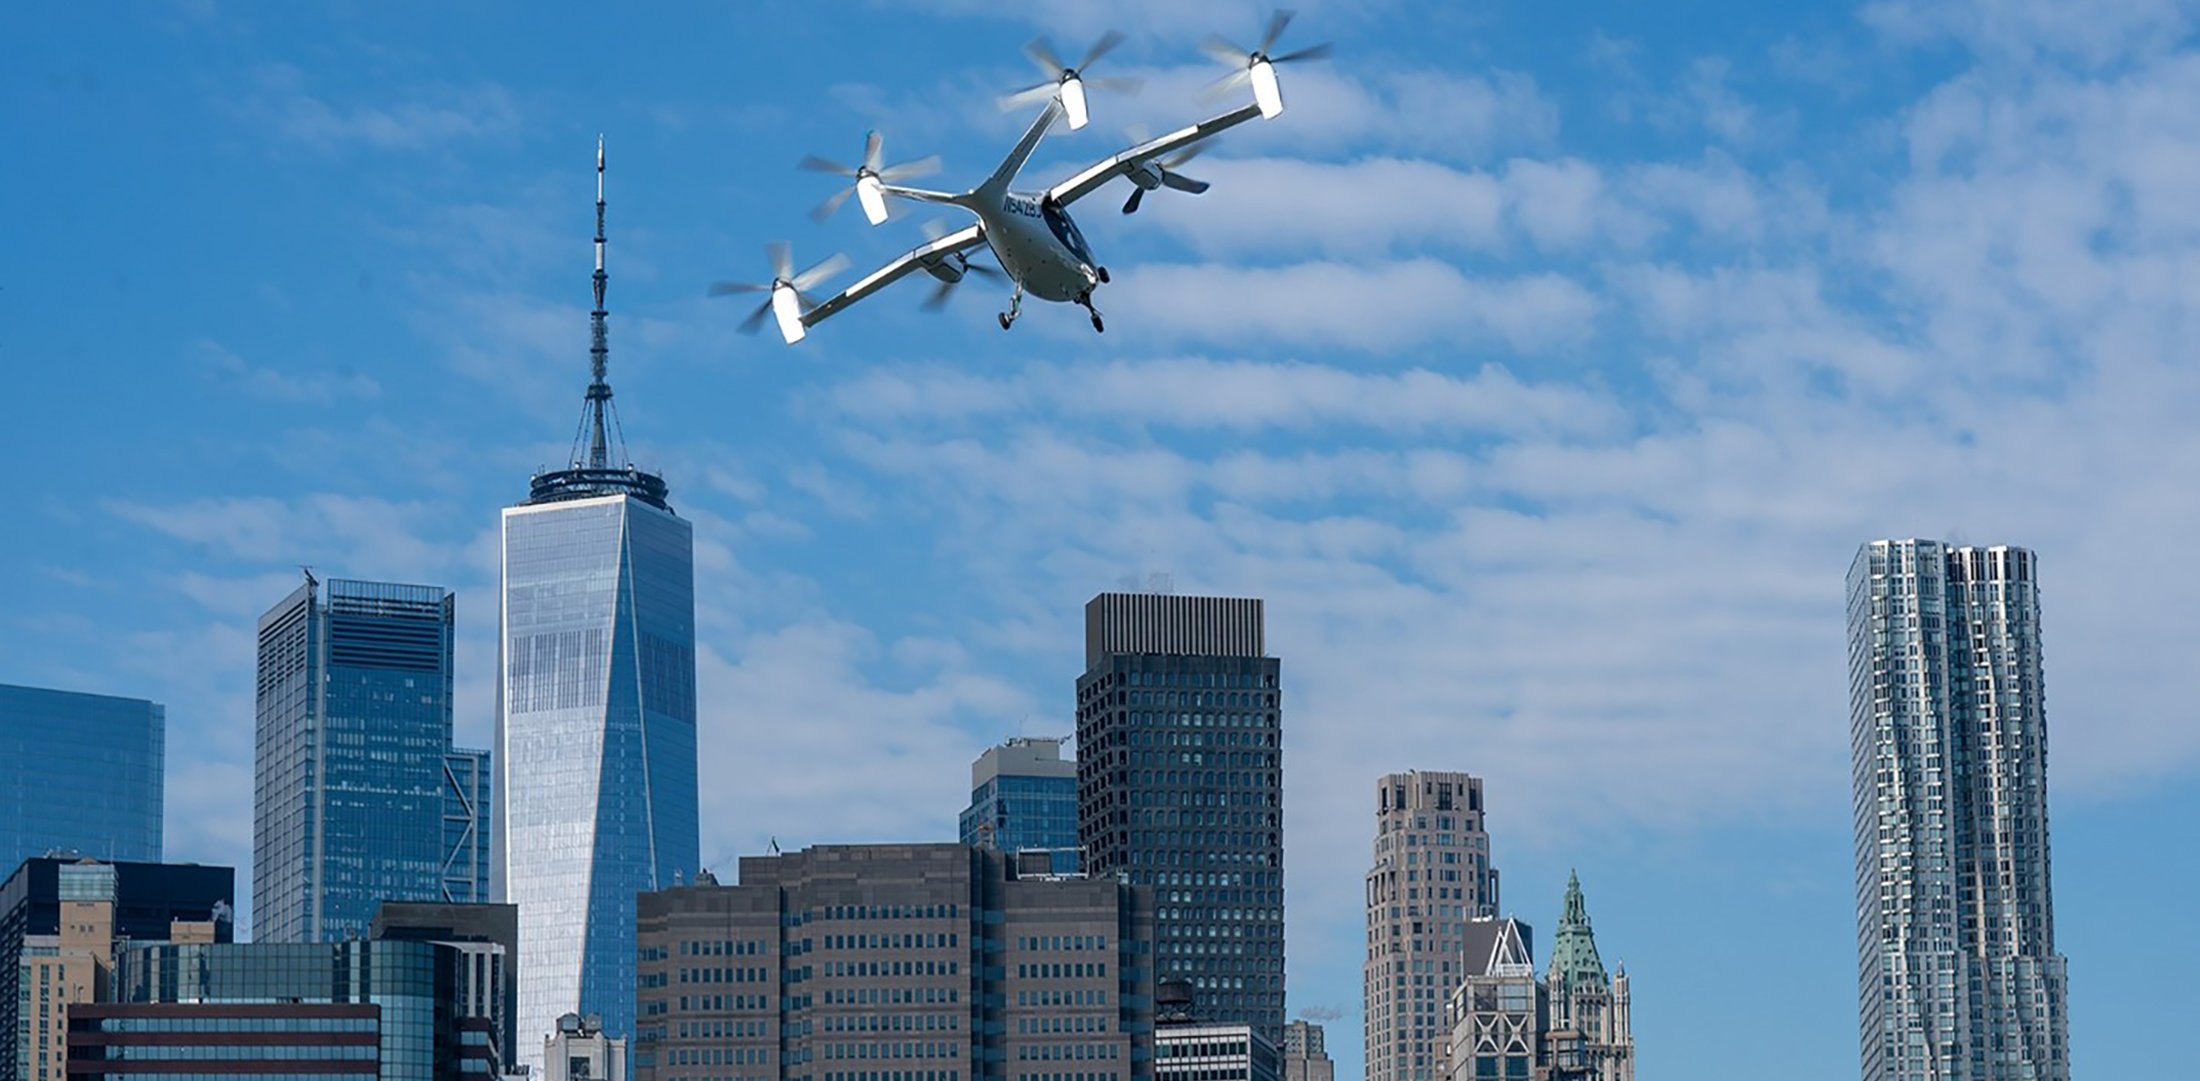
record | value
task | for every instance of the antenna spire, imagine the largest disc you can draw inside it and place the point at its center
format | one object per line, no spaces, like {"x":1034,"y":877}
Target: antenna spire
{"x":599,"y":350}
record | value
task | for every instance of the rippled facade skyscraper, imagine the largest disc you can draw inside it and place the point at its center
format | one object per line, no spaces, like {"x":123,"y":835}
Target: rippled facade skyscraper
{"x":595,"y":751}
{"x":1957,"y":974}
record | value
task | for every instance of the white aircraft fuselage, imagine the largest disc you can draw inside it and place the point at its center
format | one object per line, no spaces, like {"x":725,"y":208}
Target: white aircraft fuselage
{"x":1038,"y":244}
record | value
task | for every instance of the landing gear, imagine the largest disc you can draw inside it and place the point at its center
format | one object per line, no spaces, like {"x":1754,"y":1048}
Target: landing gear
{"x":1103,"y":274}
{"x":1015,"y":307}
{"x":1085,"y":299}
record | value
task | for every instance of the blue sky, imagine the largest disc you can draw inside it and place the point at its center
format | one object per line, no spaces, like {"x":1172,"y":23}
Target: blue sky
{"x":1543,"y":368}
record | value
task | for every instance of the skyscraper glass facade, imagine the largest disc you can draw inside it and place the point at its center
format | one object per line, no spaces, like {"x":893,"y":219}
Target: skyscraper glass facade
{"x":272,"y":1004}
{"x":80,"y":773}
{"x":354,"y":784}
{"x":595,"y":752}
{"x":1023,"y":795}
{"x":1958,"y":978}
{"x":1180,"y":787}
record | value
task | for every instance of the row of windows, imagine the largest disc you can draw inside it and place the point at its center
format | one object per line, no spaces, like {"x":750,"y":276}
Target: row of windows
{"x":1062,"y":998}
{"x":723,"y":948}
{"x":1062,"y":942}
{"x":1055,"y":1026}
{"x":1062,"y":971}
{"x":1082,"y":1052}
{"x":893,"y":968}
{"x":914,"y":941}
{"x":889,"y":912}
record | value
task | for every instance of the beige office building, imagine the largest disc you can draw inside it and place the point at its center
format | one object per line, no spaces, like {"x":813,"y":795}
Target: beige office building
{"x":902,"y":962}
{"x":1431,"y":875}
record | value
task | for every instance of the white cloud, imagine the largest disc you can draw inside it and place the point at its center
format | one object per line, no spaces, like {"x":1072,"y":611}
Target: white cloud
{"x":1312,"y":305}
{"x":1197,"y":393}
{"x":2096,"y":32}
{"x":274,"y":384}
{"x":439,"y":113}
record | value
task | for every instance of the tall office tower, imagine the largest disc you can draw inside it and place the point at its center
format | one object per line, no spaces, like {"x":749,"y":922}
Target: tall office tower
{"x":1180,"y":787}
{"x":1431,"y":875}
{"x":1304,"y":1057}
{"x":355,"y":795}
{"x":1958,"y":978}
{"x":595,"y":751}
{"x":79,"y":773}
{"x":898,"y":962}
{"x":1023,"y":796}
{"x":1592,"y":1035}
{"x":60,"y":921}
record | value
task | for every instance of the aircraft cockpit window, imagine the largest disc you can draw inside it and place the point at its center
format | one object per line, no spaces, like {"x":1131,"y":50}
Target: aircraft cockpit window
{"x":1064,"y":229}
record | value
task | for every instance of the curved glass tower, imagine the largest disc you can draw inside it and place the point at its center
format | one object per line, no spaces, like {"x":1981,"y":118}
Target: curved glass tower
{"x":595,"y":753}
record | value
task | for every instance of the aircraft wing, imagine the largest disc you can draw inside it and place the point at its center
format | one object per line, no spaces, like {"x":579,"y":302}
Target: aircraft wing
{"x":916,"y":258}
{"x":1090,"y":179}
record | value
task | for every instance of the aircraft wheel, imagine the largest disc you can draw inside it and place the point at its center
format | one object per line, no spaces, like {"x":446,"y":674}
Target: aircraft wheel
{"x":1003,"y":316}
{"x":1103,"y":275}
{"x":1097,"y":326}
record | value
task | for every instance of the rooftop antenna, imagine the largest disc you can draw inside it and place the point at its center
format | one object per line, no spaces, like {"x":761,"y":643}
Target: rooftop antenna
{"x":596,"y":432}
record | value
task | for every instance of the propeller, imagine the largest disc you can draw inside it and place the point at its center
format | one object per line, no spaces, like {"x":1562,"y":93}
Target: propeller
{"x":1257,"y":66}
{"x":870,"y":178}
{"x":951,"y":271}
{"x":1068,"y":80}
{"x":787,"y":296}
{"x":1164,"y":173}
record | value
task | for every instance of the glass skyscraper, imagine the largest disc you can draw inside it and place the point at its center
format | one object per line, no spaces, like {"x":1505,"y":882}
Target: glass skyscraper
{"x":1024,"y":796}
{"x":80,"y":773}
{"x":358,"y":796}
{"x":1180,"y":787}
{"x":1958,"y":978}
{"x":595,"y":752}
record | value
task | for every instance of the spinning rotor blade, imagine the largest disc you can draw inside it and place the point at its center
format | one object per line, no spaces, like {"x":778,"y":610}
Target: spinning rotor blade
{"x":756,"y":318}
{"x":1170,"y":177}
{"x":1067,"y":81}
{"x":1257,"y":65}
{"x":869,"y":178}
{"x":1311,"y":52}
{"x":937,"y":299}
{"x":785,"y":295}
{"x":1100,"y":48}
{"x":1041,"y":51}
{"x":819,"y":271}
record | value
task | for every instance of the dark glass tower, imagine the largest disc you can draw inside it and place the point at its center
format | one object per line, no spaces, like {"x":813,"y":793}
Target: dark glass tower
{"x":356,"y":783}
{"x":79,"y":773}
{"x":1180,"y":787}
{"x":595,"y":755}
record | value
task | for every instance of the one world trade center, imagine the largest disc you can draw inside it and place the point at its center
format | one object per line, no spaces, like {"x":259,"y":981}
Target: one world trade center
{"x":595,"y":739}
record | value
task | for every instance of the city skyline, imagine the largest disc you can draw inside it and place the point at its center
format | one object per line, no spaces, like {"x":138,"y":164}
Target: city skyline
{"x":1541,"y":369}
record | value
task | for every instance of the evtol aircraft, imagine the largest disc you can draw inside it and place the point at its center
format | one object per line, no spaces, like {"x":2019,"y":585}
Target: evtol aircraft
{"x":1030,"y":233}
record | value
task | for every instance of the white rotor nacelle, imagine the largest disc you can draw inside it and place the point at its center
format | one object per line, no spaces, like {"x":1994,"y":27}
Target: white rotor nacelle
{"x":787,"y":310}
{"x":871,"y":192}
{"x":1073,"y":102}
{"x":1266,"y":93}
